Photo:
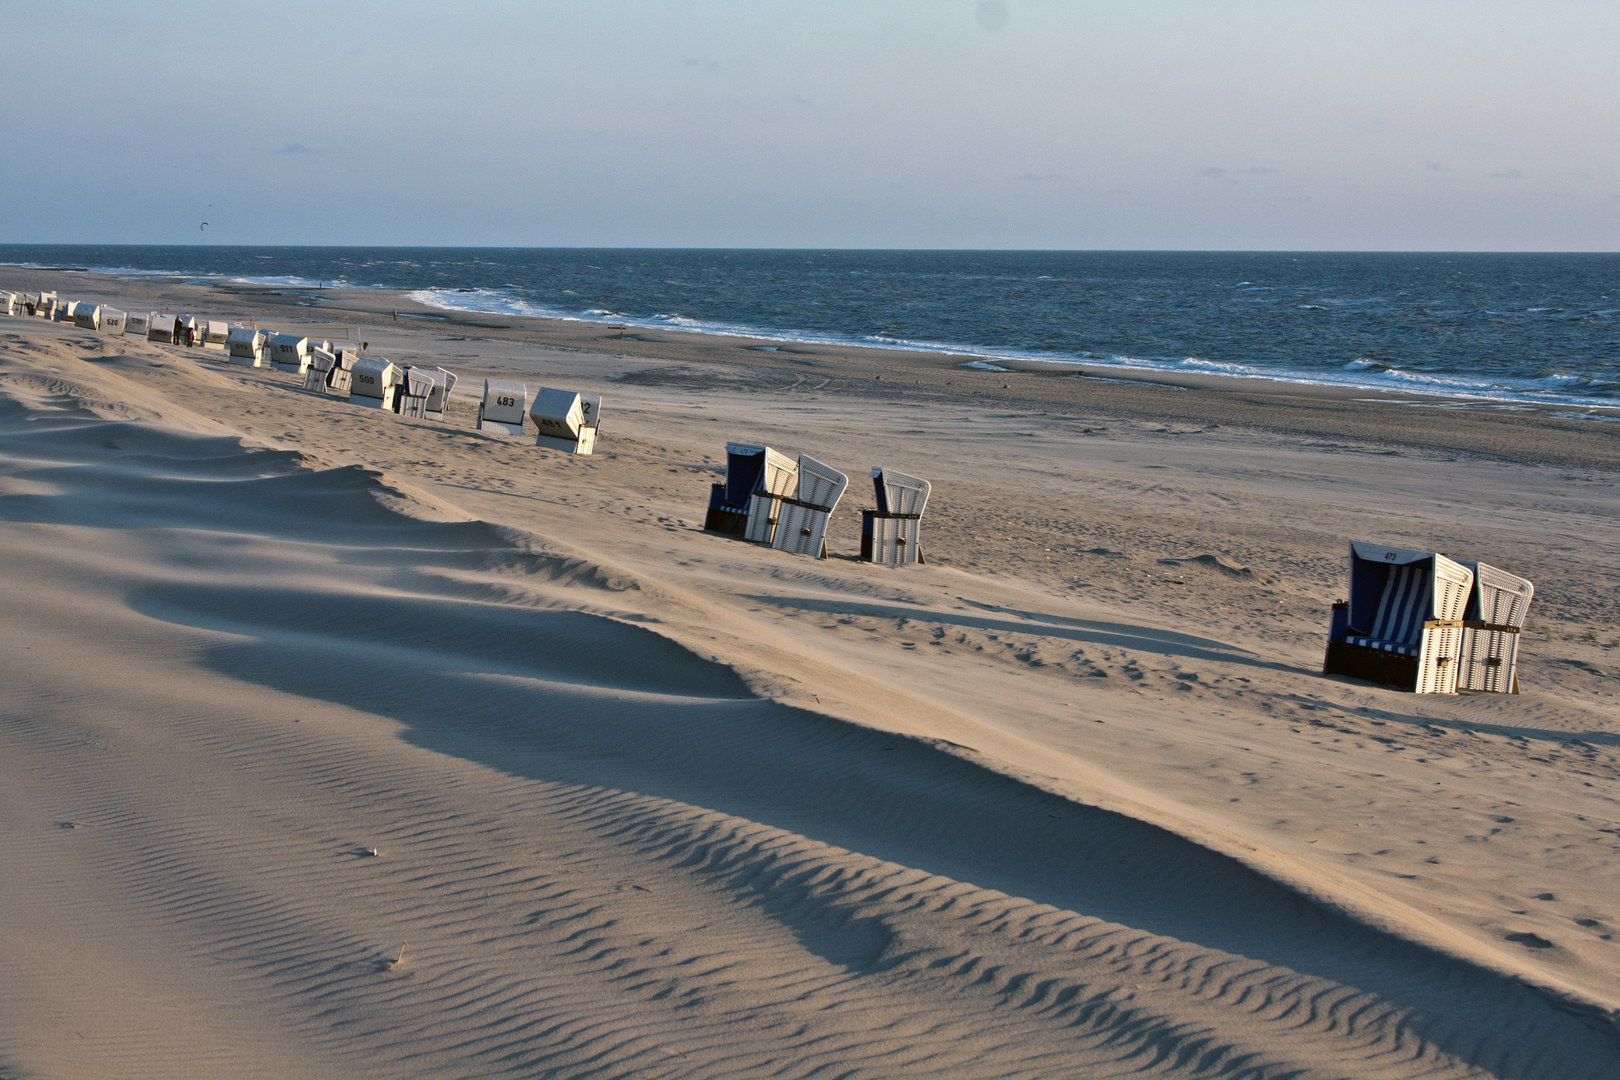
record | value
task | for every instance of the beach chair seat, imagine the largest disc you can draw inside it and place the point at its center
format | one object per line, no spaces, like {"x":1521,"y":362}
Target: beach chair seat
{"x":1402,"y":625}
{"x":501,"y":411}
{"x":801,"y":525}
{"x":1498,"y":607}
{"x":892,"y":534}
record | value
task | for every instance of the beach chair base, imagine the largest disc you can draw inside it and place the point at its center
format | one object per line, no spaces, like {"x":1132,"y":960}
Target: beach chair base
{"x":1433,"y":669}
{"x":495,"y":427}
{"x":386,"y":402}
{"x":891,"y":539}
{"x":584,"y":445}
{"x":1490,"y":659}
{"x":801,"y":529}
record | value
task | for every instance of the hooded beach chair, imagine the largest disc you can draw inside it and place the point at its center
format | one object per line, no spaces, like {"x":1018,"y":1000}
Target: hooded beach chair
{"x":137,"y":323}
{"x":1497,"y":609}
{"x":424,"y":392}
{"x":501,"y":411}
{"x":111,"y":321}
{"x":729,"y":501}
{"x":289,"y":352}
{"x":374,"y":382}
{"x":213,"y":334}
{"x":160,"y":327}
{"x":246,"y":345}
{"x":86,"y":316}
{"x":1402,"y":625}
{"x":559,"y":417}
{"x":801,"y":524}
{"x":318,"y":379}
{"x":892,"y":534}
{"x":13,"y":304}
{"x":45,"y":306}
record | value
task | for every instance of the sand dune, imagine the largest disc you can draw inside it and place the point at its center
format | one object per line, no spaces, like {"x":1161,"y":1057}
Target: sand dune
{"x":311,"y":769}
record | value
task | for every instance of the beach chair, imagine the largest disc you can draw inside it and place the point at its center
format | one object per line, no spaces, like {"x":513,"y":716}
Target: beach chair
{"x":757,"y":479}
{"x":892,"y":534}
{"x":112,"y":321}
{"x":374,"y":382}
{"x":1497,"y":609}
{"x":729,"y":501}
{"x":213,"y":334}
{"x":423,"y":393}
{"x":802,"y":520}
{"x":14,"y":304}
{"x":246,"y":345}
{"x":45,"y":306}
{"x":289,"y":352}
{"x":501,"y":411}
{"x":86,"y":316}
{"x":137,"y":323}
{"x":160,"y":327}
{"x":1402,"y":625}
{"x":437,"y":401}
{"x":318,"y":378}
{"x":559,"y":417}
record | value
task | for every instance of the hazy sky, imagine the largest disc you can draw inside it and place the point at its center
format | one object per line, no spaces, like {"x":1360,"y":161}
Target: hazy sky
{"x":1213,"y":124}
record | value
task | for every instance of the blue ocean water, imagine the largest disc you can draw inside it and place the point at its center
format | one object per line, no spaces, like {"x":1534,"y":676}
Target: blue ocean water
{"x":1510,"y":327}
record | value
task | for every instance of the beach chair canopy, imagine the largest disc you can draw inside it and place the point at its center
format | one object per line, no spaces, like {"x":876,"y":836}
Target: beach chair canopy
{"x":557,"y":413}
{"x":504,"y":401}
{"x":898,"y":493}
{"x":820,"y":485}
{"x":752,"y":468}
{"x":246,"y":337}
{"x":321,"y":360}
{"x":1393,"y":591}
{"x":1498,"y":597}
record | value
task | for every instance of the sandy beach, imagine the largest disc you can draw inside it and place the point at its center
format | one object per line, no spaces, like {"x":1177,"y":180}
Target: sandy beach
{"x":338,"y":743}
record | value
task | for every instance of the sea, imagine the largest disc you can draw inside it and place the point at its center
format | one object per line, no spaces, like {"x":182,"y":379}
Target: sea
{"x":1514,"y":329}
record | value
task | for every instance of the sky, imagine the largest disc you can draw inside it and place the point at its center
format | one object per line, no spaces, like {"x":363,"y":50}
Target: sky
{"x":1056,"y":124}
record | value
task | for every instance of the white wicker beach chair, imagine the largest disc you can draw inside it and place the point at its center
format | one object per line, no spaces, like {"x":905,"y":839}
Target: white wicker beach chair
{"x":289,"y":352}
{"x":560,"y":419}
{"x":501,"y":411}
{"x":1497,"y":609}
{"x":1402,"y":625}
{"x":801,"y":525}
{"x":245,"y":345}
{"x":892,"y":534}
{"x":374,"y":382}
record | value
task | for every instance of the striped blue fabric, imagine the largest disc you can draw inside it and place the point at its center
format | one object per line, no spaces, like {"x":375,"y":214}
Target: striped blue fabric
{"x":1387,"y":646}
{"x":1408,"y":600}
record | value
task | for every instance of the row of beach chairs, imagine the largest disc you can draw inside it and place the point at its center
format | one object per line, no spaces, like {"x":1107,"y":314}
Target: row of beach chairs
{"x":769,"y":498}
{"x":1427,"y":623}
{"x":563,"y":420}
{"x":1417,"y":620}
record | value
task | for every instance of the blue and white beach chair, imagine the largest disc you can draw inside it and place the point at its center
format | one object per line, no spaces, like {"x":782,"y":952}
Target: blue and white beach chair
{"x":1402,"y":625}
